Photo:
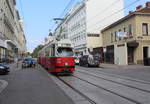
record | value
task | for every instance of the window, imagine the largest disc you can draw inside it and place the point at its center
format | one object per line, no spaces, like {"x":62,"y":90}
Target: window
{"x":119,"y":34}
{"x":64,"y":52}
{"x":145,"y":29}
{"x":130,"y":30}
{"x":124,"y":29}
{"x":111,"y":37}
{"x":115,"y":36}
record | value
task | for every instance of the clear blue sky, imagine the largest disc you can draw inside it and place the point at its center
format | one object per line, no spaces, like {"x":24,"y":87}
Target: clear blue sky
{"x":38,"y":15}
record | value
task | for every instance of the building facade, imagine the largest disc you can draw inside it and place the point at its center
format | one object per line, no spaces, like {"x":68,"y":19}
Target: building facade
{"x":85,"y":21}
{"x":127,"y":41}
{"x":10,"y":31}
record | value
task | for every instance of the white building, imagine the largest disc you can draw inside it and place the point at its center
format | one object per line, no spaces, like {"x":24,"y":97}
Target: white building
{"x":88,"y":18}
{"x":49,"y":39}
{"x":83,"y":23}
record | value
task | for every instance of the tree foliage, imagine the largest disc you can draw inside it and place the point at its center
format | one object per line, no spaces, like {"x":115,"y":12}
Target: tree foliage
{"x":36,"y":51}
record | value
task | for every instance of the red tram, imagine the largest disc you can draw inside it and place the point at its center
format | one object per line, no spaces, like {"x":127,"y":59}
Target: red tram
{"x":57,"y":57}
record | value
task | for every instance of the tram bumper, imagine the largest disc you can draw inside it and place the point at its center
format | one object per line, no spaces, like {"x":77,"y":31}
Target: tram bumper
{"x":66,"y":69}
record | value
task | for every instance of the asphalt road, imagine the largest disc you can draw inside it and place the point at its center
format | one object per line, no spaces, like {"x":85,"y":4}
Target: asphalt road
{"x":32,"y":86}
{"x":137,"y":72}
{"x":108,"y":87}
{"x":85,"y":86}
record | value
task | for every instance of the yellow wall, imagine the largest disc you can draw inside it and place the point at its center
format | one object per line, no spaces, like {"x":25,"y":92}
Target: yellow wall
{"x":136,"y":22}
{"x":93,"y":42}
{"x":145,"y":41}
{"x":106,"y":35}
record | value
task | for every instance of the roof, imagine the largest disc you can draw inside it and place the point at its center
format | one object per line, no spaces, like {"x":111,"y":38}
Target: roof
{"x":143,"y":11}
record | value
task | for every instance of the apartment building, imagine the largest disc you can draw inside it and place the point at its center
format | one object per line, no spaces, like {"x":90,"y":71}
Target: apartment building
{"x":127,"y":41}
{"x":10,"y":30}
{"x":85,"y":21}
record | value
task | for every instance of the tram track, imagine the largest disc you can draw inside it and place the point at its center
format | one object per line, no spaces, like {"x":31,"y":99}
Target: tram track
{"x":112,"y":91}
{"x":76,"y":90}
{"x":117,"y":76}
{"x":147,"y":91}
{"x":127,"y":98}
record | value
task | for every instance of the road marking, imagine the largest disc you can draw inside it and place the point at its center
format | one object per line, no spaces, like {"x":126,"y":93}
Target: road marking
{"x":3,"y":85}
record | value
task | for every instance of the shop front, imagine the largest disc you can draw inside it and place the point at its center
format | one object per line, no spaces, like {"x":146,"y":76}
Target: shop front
{"x":131,"y":47}
{"x":2,"y":51}
{"x":109,"y":54}
{"x":12,"y":51}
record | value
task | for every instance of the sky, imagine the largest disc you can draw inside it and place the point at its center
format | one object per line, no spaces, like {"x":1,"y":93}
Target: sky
{"x":38,"y":17}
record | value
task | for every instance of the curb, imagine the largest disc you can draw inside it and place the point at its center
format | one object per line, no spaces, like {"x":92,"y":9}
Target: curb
{"x":3,"y":85}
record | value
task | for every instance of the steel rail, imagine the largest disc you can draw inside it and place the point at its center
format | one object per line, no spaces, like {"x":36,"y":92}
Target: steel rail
{"x":127,"y":98}
{"x":147,"y":91}
{"x":76,"y":90}
{"x":118,"y":76}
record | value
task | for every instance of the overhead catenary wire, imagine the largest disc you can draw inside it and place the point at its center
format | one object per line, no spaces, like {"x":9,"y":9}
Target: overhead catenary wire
{"x":102,"y":20}
{"x":62,"y":14}
{"x":109,"y":7}
{"x":21,"y":8}
{"x":66,"y":8}
{"x":105,"y":9}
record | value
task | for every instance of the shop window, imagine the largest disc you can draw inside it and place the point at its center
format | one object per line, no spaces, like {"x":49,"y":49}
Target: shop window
{"x":145,"y":29}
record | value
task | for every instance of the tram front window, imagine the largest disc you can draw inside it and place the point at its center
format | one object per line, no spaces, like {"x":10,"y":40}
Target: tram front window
{"x":64,"y":52}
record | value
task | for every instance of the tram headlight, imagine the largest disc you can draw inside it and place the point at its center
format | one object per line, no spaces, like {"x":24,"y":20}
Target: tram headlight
{"x":66,"y":64}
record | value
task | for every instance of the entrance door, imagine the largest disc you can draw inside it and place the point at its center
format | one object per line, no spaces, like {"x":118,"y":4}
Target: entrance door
{"x":130,"y":55}
{"x":145,"y":52}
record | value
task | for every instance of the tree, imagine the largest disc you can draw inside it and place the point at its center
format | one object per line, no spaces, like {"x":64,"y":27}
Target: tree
{"x":36,"y":51}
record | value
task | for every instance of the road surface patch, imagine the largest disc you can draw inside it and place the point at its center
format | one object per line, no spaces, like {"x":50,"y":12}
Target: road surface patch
{"x":3,"y":85}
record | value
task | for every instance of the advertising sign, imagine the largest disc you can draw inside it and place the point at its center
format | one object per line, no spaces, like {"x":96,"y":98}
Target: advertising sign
{"x":104,"y":49}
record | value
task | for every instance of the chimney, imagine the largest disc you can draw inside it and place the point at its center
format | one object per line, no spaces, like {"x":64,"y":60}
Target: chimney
{"x":130,"y":12}
{"x":138,"y":7}
{"x":148,"y":4}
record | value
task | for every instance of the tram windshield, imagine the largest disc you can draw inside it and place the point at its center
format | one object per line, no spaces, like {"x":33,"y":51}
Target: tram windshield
{"x":64,"y":52}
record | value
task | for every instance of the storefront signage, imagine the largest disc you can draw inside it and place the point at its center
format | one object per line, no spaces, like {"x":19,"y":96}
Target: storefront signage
{"x":104,"y":49}
{"x":120,"y":45}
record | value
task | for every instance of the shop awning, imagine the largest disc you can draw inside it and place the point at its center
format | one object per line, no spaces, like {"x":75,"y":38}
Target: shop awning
{"x":133,"y":44}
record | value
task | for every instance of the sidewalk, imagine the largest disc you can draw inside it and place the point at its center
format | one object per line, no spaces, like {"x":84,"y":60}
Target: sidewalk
{"x":113,"y":66}
{"x":32,"y":86}
{"x":14,"y":66}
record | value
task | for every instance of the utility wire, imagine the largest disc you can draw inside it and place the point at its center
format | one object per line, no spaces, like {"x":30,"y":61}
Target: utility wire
{"x":105,"y":9}
{"x":21,"y":8}
{"x":102,"y":20}
{"x":67,"y":6}
{"x":97,"y":13}
{"x":61,"y":15}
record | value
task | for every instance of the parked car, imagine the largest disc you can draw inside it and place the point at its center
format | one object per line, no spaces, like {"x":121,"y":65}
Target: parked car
{"x":76,"y":59}
{"x":89,"y":60}
{"x":28,"y":62}
{"x":4,"y":69}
